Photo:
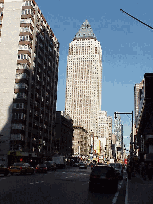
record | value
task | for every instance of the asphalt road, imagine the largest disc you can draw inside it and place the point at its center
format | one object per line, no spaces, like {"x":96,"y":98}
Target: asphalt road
{"x":68,"y":186}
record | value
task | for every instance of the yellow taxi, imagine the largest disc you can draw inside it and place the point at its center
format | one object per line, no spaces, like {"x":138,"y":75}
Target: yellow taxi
{"x":21,"y":168}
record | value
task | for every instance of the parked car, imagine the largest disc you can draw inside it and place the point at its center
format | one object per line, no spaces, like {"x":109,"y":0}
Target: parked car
{"x":4,"y":170}
{"x":21,"y":168}
{"x":41,"y":168}
{"x":82,"y":165}
{"x":51,"y":165}
{"x":103,"y":176}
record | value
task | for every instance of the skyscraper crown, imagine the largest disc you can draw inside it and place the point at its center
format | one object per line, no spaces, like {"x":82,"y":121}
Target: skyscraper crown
{"x":85,"y":31}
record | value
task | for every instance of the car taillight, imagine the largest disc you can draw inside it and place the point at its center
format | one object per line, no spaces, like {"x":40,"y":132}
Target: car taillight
{"x":20,"y":168}
{"x":36,"y":167}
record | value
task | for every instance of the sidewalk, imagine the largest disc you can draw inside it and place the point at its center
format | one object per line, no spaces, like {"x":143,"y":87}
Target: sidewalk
{"x":139,"y":191}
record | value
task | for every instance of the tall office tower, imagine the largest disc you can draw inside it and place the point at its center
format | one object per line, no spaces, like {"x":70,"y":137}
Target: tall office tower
{"x":118,"y":131}
{"x":117,"y":128}
{"x":84,"y":75}
{"x":103,"y":124}
{"x":105,"y":130}
{"x":29,"y":54}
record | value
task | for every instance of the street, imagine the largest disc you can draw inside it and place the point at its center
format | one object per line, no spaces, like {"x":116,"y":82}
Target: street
{"x":62,"y":186}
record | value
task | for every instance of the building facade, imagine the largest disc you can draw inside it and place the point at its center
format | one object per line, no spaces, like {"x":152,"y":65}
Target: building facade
{"x":105,"y":131}
{"x":81,"y":142}
{"x":138,"y":90}
{"x":29,"y":58}
{"x":118,"y":132}
{"x":64,"y":134}
{"x":84,"y":75}
{"x":143,"y":143}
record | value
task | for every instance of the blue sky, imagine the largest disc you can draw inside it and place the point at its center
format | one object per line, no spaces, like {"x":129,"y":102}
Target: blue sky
{"x":127,"y":46}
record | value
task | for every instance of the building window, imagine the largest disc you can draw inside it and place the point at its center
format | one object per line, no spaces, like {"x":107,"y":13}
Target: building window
{"x":18,"y":126}
{"x":24,"y":38}
{"x":19,"y":116}
{"x":20,"y":95}
{"x":18,"y":105}
{"x":20,"y":85}
{"x":27,"y":3}
{"x":22,"y":56}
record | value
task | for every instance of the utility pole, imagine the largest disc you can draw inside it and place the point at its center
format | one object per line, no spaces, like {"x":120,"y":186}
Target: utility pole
{"x":131,"y":140}
{"x":136,"y":19}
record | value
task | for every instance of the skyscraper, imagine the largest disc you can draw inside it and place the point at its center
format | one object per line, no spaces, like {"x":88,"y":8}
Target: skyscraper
{"x":84,"y":75}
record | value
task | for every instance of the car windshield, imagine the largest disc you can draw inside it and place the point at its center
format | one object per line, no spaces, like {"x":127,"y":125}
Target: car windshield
{"x":42,"y":165}
{"x":100,"y":170}
{"x":26,"y":164}
{"x":112,"y":164}
{"x":118,"y":166}
{"x":51,"y":162}
{"x":18,"y":164}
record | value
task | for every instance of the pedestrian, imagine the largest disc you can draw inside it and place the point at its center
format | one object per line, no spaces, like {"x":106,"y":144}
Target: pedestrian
{"x":129,"y":172}
{"x":150,"y":171}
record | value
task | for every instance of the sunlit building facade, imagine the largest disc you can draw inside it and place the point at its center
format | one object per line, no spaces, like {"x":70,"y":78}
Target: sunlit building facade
{"x":84,"y":75}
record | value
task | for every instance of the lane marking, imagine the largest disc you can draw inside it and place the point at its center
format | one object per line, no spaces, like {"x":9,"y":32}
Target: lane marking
{"x":31,"y":183}
{"x":37,"y":182}
{"x":115,"y":197}
{"x":42,"y":181}
{"x":120,"y":184}
{"x":117,"y":193}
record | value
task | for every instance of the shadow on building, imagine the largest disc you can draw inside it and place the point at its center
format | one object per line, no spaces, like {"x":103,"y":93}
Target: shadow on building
{"x":29,"y":132}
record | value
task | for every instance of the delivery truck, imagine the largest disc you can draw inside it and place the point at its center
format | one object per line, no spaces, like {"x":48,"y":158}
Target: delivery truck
{"x":59,"y":160}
